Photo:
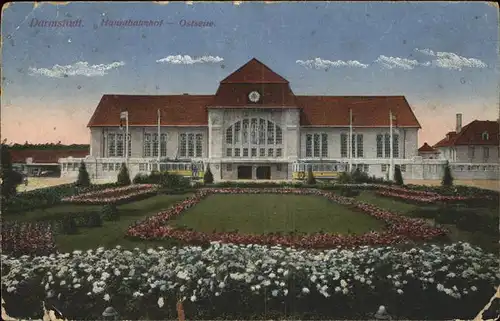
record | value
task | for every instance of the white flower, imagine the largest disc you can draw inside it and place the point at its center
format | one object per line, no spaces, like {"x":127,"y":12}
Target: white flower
{"x":343,"y":283}
{"x":400,"y":291}
{"x":63,"y":283}
{"x":77,"y":285}
{"x":222,"y":285}
{"x":193,"y":298}
{"x":473,"y":288}
{"x":305,"y":290}
{"x":274,"y":292}
{"x":107,"y":297}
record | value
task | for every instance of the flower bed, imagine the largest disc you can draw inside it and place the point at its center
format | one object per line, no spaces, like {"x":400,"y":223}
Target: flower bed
{"x":114,"y":195}
{"x":243,"y":282}
{"x":421,"y":197}
{"x":400,"y":229}
{"x":27,"y":238}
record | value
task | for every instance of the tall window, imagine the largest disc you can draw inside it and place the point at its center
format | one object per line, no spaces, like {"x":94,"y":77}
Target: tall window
{"x":316,"y":145}
{"x":324,"y":145}
{"x":116,"y":145}
{"x":151,"y":143}
{"x":486,"y":153}
{"x":190,"y":145}
{"x":309,"y":144}
{"x":359,"y":145}
{"x":353,"y":146}
{"x":380,"y":146}
{"x":387,"y":145}
{"x":343,"y":145}
{"x":395,"y":145}
{"x":254,"y":134}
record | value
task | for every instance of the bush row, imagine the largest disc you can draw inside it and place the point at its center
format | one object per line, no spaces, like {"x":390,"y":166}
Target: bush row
{"x":165,"y":179}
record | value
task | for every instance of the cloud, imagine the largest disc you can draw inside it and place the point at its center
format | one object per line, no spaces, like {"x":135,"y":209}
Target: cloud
{"x":80,"y":68}
{"x":187,"y":60}
{"x":396,"y":62}
{"x":319,"y":63}
{"x":449,"y":60}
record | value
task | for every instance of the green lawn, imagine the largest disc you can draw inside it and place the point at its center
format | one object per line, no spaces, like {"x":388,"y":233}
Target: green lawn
{"x":111,"y":233}
{"x":487,"y":242}
{"x":264,"y":213}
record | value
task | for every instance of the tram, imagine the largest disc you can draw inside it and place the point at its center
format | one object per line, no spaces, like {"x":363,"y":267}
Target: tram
{"x":321,"y":170}
{"x":194,"y":170}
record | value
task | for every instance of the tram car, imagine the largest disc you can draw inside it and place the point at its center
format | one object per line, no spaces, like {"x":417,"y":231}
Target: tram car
{"x":194,"y":170}
{"x":321,"y":170}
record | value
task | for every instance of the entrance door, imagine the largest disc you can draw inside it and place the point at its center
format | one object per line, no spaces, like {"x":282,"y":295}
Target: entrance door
{"x":264,"y":172}
{"x":244,"y":172}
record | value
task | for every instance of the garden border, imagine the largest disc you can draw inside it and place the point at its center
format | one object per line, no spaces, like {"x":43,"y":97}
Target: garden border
{"x":400,"y":229}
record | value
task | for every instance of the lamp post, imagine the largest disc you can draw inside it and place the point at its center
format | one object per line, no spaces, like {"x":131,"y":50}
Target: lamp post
{"x":110,"y":314}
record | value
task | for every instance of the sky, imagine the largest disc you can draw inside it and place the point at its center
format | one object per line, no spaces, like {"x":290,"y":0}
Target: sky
{"x":443,"y":57}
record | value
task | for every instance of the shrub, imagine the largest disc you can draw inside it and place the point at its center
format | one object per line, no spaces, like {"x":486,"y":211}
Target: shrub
{"x":83,"y":176}
{"x":344,"y":178}
{"x":398,"y":177}
{"x":110,"y":212}
{"x":447,"y":180}
{"x":141,"y":179}
{"x":69,"y":225}
{"x":10,"y":178}
{"x":123,"y":176}
{"x":208,"y":178}
{"x":311,"y":180}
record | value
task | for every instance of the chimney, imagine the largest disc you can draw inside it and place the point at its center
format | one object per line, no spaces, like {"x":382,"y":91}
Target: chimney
{"x":459,"y":123}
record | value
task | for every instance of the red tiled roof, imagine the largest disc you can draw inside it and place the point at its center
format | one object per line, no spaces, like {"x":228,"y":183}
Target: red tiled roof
{"x":427,"y":149}
{"x":254,"y":72}
{"x":370,"y":111}
{"x":472,"y":134}
{"x":233,"y":92}
{"x":45,"y":156}
{"x":142,"y":110}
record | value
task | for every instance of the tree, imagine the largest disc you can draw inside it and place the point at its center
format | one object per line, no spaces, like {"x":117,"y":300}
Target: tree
{"x":447,"y":177}
{"x":83,"y":176}
{"x":208,"y":177}
{"x":311,"y":180}
{"x":10,"y":178}
{"x":398,"y":177}
{"x":123,"y":176}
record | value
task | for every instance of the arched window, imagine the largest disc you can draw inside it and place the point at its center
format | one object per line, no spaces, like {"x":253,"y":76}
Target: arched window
{"x":485,"y":136}
{"x":262,"y":137}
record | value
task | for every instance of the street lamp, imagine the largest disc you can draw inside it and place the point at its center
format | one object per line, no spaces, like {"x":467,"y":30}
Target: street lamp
{"x":382,"y":314}
{"x":110,"y":314}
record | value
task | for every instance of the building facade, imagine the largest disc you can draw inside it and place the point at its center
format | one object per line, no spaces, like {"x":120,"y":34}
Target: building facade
{"x":254,"y":127}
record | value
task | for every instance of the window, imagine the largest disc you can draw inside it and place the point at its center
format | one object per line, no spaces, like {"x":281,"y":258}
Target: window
{"x":199,"y":145}
{"x":395,"y":145}
{"x":245,"y":152}
{"x":190,"y":145}
{"x":262,"y":131}
{"x":237,"y":132}
{"x":387,"y":145}
{"x":229,"y":152}
{"x":403,"y":168}
{"x":270,"y":132}
{"x":182,"y":145}
{"x":270,"y":152}
{"x":163,"y":145}
{"x":146,"y":151}
{"x":229,"y":167}
{"x":380,"y":146}
{"x":279,"y":136}
{"x":485,"y":136}
{"x":324,"y":145}
{"x":471,"y":151}
{"x":308,"y":145}
{"x":155,"y":145}
{"x":359,"y":145}
{"x":254,"y":152}
{"x":253,"y":132}
{"x":279,"y":152}
{"x":366,"y":168}
{"x":353,"y":146}
{"x":262,"y":152}
{"x":384,"y":167}
{"x":142,"y":167}
{"x":229,"y":135}
{"x":237,"y":152}
{"x":111,"y":145}
{"x":343,"y":145}
{"x":316,"y":145}
{"x":104,"y":167}
{"x":245,"y":131}
{"x":278,"y":167}
{"x":486,"y":152}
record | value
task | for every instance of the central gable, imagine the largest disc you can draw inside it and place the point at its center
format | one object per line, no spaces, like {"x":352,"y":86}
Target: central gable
{"x":272,"y":90}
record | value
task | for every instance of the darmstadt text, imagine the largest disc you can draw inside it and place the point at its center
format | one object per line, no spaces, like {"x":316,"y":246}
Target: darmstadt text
{"x":131,"y":23}
{"x":66,"y":23}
